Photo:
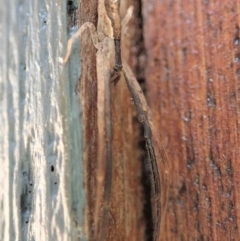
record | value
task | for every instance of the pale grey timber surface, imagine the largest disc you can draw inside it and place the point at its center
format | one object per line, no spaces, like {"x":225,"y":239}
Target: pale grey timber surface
{"x":41,"y":193}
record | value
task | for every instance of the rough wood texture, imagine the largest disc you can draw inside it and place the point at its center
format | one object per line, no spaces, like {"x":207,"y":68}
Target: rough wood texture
{"x":41,"y":194}
{"x":87,"y":91}
{"x":127,"y":194}
{"x":125,"y":215}
{"x":192,"y":77}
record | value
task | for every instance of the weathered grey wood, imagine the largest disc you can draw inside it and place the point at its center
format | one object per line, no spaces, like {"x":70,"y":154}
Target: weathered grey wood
{"x":41,"y":193}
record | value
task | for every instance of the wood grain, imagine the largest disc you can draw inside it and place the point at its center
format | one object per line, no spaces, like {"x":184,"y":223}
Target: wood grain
{"x":192,"y":76}
{"x":126,"y":204}
{"x":87,"y":91}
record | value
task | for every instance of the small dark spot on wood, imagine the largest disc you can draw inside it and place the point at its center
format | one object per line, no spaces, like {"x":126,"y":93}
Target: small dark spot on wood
{"x":196,"y":203}
{"x":218,"y":171}
{"x":156,"y":61}
{"x":208,"y":201}
{"x":196,"y":181}
{"x":224,"y":226}
{"x":232,"y":97}
{"x":230,"y":206}
{"x":232,"y":218}
{"x":209,"y":216}
{"x":235,"y":227}
{"x":52,"y":168}
{"x":208,"y":20}
{"x":214,"y":165}
{"x":220,"y":26}
{"x":236,"y":41}
{"x":220,"y":187}
{"x":211,"y":101}
{"x":229,"y":192}
{"x":188,"y":116}
{"x":229,"y":169}
{"x":190,"y":155}
{"x":184,"y":54}
{"x":204,"y":187}
{"x":237,"y":58}
{"x":238,"y":72}
{"x":182,"y":189}
{"x":218,"y":224}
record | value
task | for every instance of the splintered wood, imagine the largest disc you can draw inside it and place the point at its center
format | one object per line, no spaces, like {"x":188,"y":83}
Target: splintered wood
{"x":107,"y":40}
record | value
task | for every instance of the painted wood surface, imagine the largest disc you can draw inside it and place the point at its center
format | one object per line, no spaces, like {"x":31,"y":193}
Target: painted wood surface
{"x":41,"y":175}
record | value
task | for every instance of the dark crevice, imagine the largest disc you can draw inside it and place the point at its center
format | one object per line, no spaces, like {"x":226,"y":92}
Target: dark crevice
{"x":72,"y":12}
{"x":146,"y":184}
{"x":26,"y":191}
{"x":138,"y":41}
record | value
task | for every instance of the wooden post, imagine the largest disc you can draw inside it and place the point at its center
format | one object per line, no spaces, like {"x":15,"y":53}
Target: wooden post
{"x":187,"y":56}
{"x":192,"y":76}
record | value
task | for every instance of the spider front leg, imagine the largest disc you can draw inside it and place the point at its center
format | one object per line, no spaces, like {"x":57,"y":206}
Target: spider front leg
{"x":94,"y":37}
